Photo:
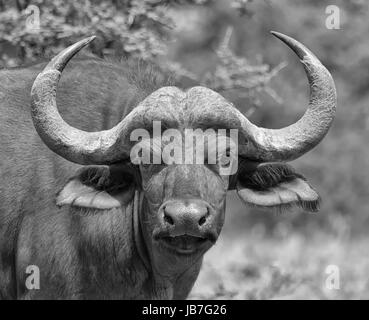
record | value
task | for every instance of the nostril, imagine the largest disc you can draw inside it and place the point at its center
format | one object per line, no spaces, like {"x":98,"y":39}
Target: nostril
{"x":202,"y":220}
{"x":168,"y":219}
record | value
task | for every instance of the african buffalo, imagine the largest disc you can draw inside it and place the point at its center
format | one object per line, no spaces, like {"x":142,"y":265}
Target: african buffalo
{"x":99,"y":226}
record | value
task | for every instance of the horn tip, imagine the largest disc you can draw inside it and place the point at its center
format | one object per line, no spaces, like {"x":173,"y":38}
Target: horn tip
{"x":301,"y":51}
{"x":274,"y":33}
{"x":90,"y":39}
{"x":60,"y":61}
{"x":84,"y":42}
{"x":281,"y":36}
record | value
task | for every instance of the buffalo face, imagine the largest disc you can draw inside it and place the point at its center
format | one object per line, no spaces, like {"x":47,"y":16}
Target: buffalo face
{"x":185,"y":207}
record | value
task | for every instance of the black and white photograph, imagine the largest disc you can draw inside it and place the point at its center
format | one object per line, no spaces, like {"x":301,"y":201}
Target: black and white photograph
{"x":198,"y":150}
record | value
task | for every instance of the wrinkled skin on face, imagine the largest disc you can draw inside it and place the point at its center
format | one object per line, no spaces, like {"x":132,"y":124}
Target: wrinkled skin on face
{"x":184,"y":201}
{"x":192,"y":192}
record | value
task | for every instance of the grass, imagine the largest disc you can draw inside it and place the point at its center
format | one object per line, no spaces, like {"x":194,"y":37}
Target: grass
{"x":289,"y":266}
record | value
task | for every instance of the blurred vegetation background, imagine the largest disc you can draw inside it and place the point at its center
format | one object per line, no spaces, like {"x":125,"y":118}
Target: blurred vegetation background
{"x":226,"y":45}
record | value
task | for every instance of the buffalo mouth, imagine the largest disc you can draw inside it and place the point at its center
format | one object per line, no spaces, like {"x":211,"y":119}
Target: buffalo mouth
{"x":184,"y":244}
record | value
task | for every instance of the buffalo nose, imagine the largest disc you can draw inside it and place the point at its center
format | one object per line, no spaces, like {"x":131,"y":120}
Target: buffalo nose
{"x":186,"y":214}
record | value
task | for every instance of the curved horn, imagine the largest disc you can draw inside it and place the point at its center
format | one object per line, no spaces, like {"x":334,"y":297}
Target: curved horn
{"x":75,"y":145}
{"x":291,"y":142}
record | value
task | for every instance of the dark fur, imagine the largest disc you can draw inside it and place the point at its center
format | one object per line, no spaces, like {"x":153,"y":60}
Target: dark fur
{"x":268,"y":175}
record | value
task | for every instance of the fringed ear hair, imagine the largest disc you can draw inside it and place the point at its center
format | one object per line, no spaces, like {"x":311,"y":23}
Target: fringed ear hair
{"x":268,"y":175}
{"x":277,"y":186}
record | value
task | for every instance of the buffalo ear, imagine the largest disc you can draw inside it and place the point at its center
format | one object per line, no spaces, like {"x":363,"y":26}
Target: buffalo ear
{"x":98,"y":187}
{"x":277,"y":186}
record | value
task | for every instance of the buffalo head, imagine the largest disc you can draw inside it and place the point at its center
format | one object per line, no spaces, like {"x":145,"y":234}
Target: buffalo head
{"x":183,"y":204}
